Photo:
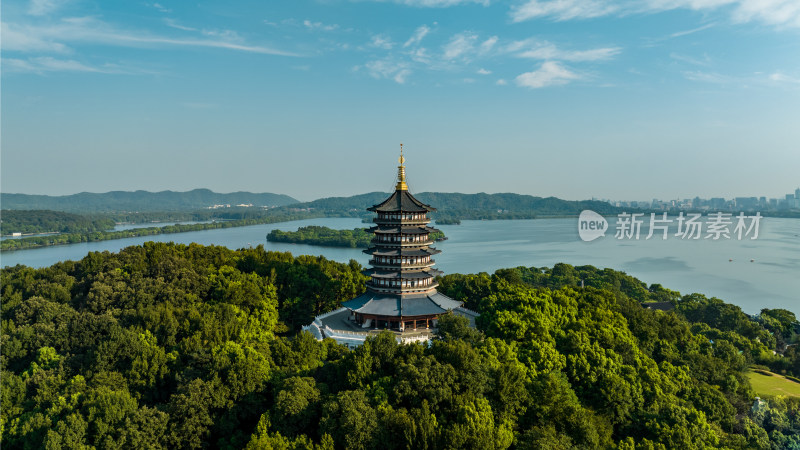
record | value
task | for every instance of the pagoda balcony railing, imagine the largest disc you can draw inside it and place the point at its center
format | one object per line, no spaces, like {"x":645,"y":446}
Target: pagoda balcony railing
{"x":404,"y":290}
{"x":401,"y":266}
{"x":380,"y":221}
{"x":402,"y":244}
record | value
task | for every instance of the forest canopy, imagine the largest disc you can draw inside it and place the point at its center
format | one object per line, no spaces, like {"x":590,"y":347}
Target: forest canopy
{"x":176,"y":346}
{"x":43,"y":221}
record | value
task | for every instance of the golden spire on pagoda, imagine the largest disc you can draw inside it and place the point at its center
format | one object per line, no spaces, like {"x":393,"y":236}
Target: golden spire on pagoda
{"x":401,"y":173}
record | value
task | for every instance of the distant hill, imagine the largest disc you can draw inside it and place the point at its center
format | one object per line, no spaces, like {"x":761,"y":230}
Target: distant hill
{"x":142,"y":201}
{"x":469,"y":206}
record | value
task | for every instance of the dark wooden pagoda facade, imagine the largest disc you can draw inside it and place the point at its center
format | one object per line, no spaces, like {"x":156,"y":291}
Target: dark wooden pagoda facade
{"x":401,"y":293}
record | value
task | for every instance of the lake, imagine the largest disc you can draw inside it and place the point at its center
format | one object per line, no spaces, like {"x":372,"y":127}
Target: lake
{"x":721,"y":268}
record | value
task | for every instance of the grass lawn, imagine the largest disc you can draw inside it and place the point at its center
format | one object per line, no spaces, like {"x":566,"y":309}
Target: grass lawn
{"x":766,"y":385}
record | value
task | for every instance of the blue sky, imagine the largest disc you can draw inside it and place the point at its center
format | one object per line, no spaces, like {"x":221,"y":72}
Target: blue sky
{"x":626,"y":99}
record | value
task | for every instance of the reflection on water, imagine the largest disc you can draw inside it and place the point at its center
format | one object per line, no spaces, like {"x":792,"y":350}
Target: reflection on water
{"x":720,"y":268}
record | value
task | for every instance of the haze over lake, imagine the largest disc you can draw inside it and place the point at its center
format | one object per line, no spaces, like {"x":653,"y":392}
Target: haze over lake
{"x":720,"y":268}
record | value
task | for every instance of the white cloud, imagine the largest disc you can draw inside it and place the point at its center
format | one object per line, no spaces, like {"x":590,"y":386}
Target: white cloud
{"x":501,"y":82}
{"x":692,"y":31}
{"x":561,"y":9}
{"x":226,"y":35}
{"x":174,"y":24}
{"x":708,"y":77}
{"x":44,"y":7}
{"x":439,"y":3}
{"x":783,"y":78}
{"x":161,"y":8}
{"x":551,"y":73}
{"x":89,"y":30}
{"x":545,"y":50}
{"x":319,"y":26}
{"x":772,"y":12}
{"x":706,"y":61}
{"x":418,"y":35}
{"x":784,"y":13}
{"x":382,"y":41}
{"x":488,"y":44}
{"x":47,"y":64}
{"x":421,"y":56}
{"x":21,"y":39}
{"x":483,"y":71}
{"x":459,"y":45}
{"x":386,"y":68}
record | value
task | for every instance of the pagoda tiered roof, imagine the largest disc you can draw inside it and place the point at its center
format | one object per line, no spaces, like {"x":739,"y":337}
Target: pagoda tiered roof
{"x":379,"y":304}
{"x":401,"y":201}
{"x":402,"y":230}
{"x":428,"y":251}
{"x":383,"y":273}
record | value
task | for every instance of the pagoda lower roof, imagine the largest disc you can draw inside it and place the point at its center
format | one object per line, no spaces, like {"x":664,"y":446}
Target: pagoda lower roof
{"x":401,"y":201}
{"x":420,"y":274}
{"x":375,"y":251}
{"x":402,"y":230}
{"x":378,"y":304}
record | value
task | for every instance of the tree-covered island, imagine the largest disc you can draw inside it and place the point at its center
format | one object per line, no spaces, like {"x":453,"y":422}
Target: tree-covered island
{"x":318,"y":235}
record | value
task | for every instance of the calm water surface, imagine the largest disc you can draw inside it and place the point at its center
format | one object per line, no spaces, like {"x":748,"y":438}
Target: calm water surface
{"x":716,"y":268}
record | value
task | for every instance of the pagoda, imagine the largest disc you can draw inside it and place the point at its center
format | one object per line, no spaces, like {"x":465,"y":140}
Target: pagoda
{"x":401,"y":293}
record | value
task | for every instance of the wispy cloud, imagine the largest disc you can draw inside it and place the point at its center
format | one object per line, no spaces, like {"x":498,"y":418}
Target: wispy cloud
{"x":780,"y":77}
{"x":488,"y":44}
{"x":382,"y":41}
{"x":459,"y":45}
{"x":46,"y":64}
{"x":784,"y":13}
{"x":706,"y":61}
{"x":90,"y":30}
{"x":739,"y":81}
{"x":174,"y":24}
{"x":418,"y":35}
{"x":437,"y":3}
{"x":535,"y":49}
{"x":388,"y":69}
{"x":708,"y":77}
{"x":561,"y":9}
{"x":692,"y":31}
{"x":161,"y":8}
{"x":44,"y":7}
{"x":319,"y":26}
{"x":468,"y":52}
{"x":20,"y":39}
{"x":551,"y":73}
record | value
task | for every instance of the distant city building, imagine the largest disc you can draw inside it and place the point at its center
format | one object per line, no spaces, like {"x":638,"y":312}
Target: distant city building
{"x":401,"y":295}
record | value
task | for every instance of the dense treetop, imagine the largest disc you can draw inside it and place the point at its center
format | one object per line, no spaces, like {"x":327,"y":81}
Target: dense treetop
{"x":43,"y":221}
{"x":175,"y":346}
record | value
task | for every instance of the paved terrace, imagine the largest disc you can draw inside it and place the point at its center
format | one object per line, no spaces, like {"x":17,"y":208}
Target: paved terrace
{"x":336,"y":325}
